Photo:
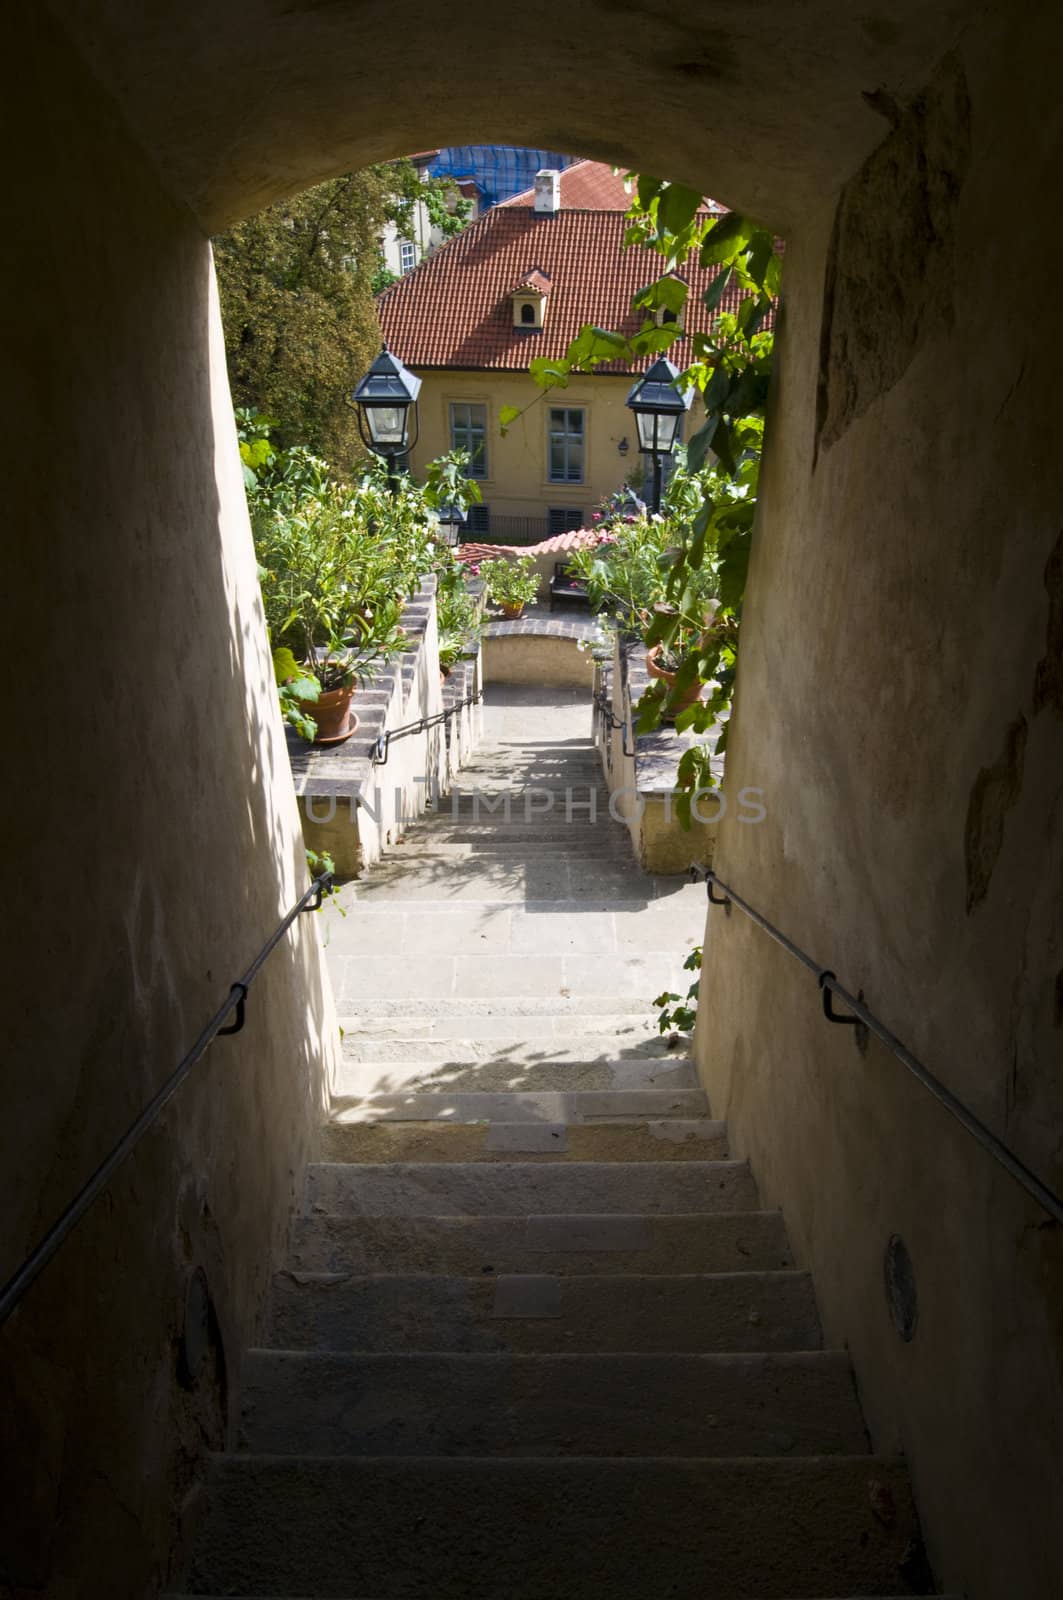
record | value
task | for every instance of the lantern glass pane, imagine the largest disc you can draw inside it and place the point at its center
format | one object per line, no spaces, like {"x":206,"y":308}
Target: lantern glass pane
{"x":667,"y":427}
{"x":387,"y":424}
{"x":647,"y":426}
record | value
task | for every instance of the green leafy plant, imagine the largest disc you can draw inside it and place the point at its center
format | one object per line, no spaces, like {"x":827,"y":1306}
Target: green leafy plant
{"x":713,"y":504}
{"x":447,"y":483}
{"x":512,"y":583}
{"x":295,"y":687}
{"x":677,"y":1014}
{"x":336,"y":562}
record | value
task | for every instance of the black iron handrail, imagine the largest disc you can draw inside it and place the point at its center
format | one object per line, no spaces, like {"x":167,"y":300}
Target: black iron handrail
{"x":859,"y":1014}
{"x":612,"y":721}
{"x":422,"y":725}
{"x":68,"y":1220}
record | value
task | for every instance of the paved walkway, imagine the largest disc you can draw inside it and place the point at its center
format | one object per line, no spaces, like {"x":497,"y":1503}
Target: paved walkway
{"x":521,"y":888}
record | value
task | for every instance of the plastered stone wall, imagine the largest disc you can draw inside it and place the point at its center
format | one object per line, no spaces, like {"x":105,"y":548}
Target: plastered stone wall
{"x":151,"y":844}
{"x":536,"y":658}
{"x":899,"y":702}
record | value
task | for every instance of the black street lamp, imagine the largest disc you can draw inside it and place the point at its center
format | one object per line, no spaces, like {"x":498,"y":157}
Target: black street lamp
{"x":659,"y":407}
{"x":384,"y":400}
{"x":452,"y":518}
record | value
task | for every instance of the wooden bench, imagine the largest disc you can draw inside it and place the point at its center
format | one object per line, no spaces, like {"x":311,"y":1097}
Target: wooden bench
{"x":565,"y":587}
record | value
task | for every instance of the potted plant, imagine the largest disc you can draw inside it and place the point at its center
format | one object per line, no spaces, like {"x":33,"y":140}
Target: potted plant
{"x":331,"y":587}
{"x":663,"y":662}
{"x":510,"y":584}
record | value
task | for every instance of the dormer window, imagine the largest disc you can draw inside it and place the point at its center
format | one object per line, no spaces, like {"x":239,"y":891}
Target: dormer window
{"x":528,"y":299}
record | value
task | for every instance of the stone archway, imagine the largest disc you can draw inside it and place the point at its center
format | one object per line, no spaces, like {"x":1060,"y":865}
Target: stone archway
{"x":898,"y":700}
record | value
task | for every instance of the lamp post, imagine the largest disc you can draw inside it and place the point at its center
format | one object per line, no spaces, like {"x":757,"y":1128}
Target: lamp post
{"x":658,"y":406}
{"x":384,"y":400}
{"x":452,"y":518}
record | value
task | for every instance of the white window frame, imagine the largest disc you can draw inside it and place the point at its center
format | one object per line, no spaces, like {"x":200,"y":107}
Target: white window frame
{"x":462,"y":435}
{"x":567,"y":437}
{"x":407,"y":256}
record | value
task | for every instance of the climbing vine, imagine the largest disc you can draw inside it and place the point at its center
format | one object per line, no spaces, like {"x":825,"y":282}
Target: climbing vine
{"x":730,"y":367}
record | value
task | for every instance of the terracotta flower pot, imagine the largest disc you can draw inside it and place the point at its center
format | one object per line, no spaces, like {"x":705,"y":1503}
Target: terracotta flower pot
{"x":687,"y":698}
{"x":511,"y":608}
{"x":331,"y":712}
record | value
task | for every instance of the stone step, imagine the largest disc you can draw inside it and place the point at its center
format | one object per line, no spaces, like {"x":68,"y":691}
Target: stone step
{"x":426,"y":847}
{"x":484,"y":976}
{"x":518,"y":1106}
{"x":456,"y":1069}
{"x":544,"y":1312}
{"x":606,"y":1245}
{"x":565,"y":875}
{"x":485,"y":1029}
{"x":523,"y":1016}
{"x":410,"y":1140}
{"x":517,"y":837}
{"x":523,"y":1188}
{"x":322,"y":1404}
{"x":469,"y":1529}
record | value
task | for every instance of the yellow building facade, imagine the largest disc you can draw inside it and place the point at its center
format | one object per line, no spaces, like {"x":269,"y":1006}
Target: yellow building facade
{"x":547,"y":467}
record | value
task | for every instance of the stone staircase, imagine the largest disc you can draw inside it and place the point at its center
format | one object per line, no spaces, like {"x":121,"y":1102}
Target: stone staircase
{"x":536,"y":1340}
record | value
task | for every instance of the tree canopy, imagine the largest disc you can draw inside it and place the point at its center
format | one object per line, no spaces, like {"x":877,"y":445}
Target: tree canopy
{"x":296,"y":284}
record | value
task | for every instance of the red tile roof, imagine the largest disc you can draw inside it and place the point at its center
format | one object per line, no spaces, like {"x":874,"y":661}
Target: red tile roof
{"x":533,"y":280}
{"x":592,"y":186}
{"x":454,"y":309}
{"x":557,"y":544}
{"x":585,"y":186}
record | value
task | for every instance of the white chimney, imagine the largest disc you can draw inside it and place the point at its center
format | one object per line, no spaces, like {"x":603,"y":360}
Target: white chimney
{"x":547,"y":192}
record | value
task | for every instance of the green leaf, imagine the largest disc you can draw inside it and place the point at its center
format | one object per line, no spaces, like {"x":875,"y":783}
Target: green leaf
{"x":677,"y":208}
{"x":726,"y":239}
{"x":761,"y":250}
{"x":507,"y":417}
{"x":718,"y":390}
{"x":714,"y":293}
{"x":550,"y":374}
{"x":734,"y":567}
{"x":594,"y":345}
{"x":285,"y":665}
{"x":648,"y":190}
{"x":700,"y":444}
{"x":668,"y":291}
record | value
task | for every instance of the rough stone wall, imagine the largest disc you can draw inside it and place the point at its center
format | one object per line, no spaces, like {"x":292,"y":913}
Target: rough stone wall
{"x":898,"y":700}
{"x":151,"y":845}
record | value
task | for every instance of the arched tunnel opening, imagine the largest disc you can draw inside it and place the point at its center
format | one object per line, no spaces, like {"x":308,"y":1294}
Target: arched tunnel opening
{"x":899,"y":707}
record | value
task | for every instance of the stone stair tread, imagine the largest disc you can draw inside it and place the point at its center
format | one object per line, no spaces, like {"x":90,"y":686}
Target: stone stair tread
{"x":464,"y":1189}
{"x":550,"y":1044}
{"x":624,"y":1011}
{"x":498,"y":1525}
{"x":517,"y":1105}
{"x":612,"y":1244}
{"x":411,"y":1403}
{"x":452,"y":1071}
{"x":367,"y":1140}
{"x":741,"y":1311}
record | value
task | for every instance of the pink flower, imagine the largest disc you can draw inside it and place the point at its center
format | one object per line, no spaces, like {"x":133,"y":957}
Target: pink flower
{"x":630,"y":518}
{"x":475,"y":569}
{"x":596,"y":516}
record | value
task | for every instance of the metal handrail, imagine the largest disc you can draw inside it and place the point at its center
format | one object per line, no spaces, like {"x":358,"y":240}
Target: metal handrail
{"x":859,"y":1014}
{"x":612,"y":721}
{"x":68,"y":1220}
{"x":383,"y":745}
